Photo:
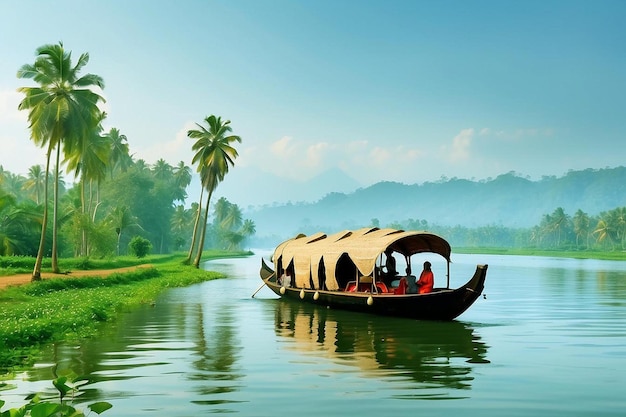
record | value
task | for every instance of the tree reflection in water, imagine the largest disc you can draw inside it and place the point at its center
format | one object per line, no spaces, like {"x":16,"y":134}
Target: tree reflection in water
{"x":429,"y":353}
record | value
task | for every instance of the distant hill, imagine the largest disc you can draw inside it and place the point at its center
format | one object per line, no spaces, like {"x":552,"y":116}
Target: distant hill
{"x":249,"y":186}
{"x":508,"y":200}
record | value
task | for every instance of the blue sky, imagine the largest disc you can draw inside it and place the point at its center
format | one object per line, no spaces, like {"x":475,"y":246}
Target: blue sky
{"x":405,"y":91}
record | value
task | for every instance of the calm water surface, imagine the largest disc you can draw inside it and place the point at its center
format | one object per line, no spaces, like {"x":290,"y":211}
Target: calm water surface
{"x":548,"y":340}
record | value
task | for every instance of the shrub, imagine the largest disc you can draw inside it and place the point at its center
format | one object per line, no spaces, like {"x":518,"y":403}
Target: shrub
{"x":139,"y":246}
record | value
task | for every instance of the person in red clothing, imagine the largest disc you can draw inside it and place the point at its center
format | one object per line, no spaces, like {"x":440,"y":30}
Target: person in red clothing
{"x":427,"y":280}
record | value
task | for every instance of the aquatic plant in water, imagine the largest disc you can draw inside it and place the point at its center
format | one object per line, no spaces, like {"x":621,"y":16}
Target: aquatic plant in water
{"x":39,"y":406}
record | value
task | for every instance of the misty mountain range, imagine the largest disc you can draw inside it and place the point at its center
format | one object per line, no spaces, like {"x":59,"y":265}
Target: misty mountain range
{"x":508,"y":200}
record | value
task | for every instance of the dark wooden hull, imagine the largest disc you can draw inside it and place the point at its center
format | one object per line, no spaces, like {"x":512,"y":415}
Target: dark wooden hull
{"x":441,"y":304}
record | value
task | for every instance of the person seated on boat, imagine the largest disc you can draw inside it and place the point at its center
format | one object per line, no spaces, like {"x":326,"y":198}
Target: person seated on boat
{"x":427,"y":279}
{"x":390,"y":272}
{"x":285,"y":278}
{"x":410,"y":281}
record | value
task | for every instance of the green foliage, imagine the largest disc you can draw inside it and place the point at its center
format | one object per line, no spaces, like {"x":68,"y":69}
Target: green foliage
{"x":139,"y":246}
{"x":10,"y":265}
{"x":38,"y":406}
{"x":229,"y":230}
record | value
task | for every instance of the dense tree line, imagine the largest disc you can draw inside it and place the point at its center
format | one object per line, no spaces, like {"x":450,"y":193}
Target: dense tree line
{"x":115,"y":197}
{"x":558,"y":230}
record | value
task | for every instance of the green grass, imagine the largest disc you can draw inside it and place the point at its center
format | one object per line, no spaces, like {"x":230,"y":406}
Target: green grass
{"x":72,"y":309}
{"x":581,"y":254}
{"x":11,"y":265}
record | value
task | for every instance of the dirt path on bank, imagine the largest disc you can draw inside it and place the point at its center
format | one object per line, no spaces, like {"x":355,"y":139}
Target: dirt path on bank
{"x":20,"y":279}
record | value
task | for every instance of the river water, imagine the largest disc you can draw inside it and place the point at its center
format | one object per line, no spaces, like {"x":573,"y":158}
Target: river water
{"x":548,"y":340}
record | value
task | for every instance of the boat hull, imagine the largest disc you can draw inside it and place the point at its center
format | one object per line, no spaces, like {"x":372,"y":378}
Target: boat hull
{"x":441,"y":304}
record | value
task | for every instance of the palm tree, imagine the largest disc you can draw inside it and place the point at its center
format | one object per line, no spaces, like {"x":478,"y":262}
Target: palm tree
{"x":121,"y":219}
{"x":140,"y":165}
{"x":604,"y":231}
{"x":196,"y":223}
{"x":119,"y":156}
{"x":581,"y":226}
{"x":248,"y":228}
{"x":220,"y":210}
{"x":182,"y":179}
{"x":559,"y":223}
{"x":233,"y":219}
{"x":214,"y":154}
{"x":179,"y":223}
{"x":162,"y":170}
{"x":14,"y":184}
{"x":35,"y":182}
{"x":88,"y":158}
{"x":18,"y":223}
{"x":61,"y":109}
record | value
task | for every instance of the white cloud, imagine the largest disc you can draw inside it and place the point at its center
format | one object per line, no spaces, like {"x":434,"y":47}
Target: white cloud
{"x":315,"y":155}
{"x":296,"y":159}
{"x":284,"y":147}
{"x":173,"y":151}
{"x":379,"y":156}
{"x":459,"y":150}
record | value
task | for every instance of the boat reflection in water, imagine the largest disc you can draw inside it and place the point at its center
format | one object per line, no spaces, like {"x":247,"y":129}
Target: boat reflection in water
{"x":430,"y":353}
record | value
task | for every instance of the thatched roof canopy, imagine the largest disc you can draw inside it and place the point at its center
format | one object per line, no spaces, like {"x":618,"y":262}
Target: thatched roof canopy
{"x":362,"y":246}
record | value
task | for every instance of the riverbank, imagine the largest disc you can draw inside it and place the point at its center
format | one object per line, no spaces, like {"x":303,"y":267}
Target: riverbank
{"x":56,"y":308}
{"x":580,"y":254}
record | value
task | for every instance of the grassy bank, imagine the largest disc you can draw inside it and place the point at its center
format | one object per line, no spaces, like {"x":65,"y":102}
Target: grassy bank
{"x":11,"y":265}
{"x":582,"y":254}
{"x":72,"y":309}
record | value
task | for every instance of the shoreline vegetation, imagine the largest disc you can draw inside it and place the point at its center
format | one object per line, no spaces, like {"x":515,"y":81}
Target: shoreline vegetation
{"x":574,"y":254}
{"x":60,"y":309}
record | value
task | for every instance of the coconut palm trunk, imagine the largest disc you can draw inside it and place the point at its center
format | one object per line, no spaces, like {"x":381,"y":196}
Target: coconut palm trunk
{"x":196,"y":262}
{"x":55,"y":213}
{"x":195,"y":229}
{"x":44,"y":221}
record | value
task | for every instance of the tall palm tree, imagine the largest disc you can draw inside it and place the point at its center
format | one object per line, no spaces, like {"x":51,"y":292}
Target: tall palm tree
{"x":248,"y":228}
{"x":88,"y":158}
{"x":197,"y":207}
{"x":604,"y":231}
{"x":220,"y":210}
{"x":61,"y":108}
{"x":179,"y":223}
{"x":233,"y":219}
{"x":559,"y":223}
{"x":119,"y":156}
{"x":582,"y":223}
{"x":214,"y":154}
{"x":35,"y":182}
{"x":121,"y":219}
{"x":182,"y":179}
